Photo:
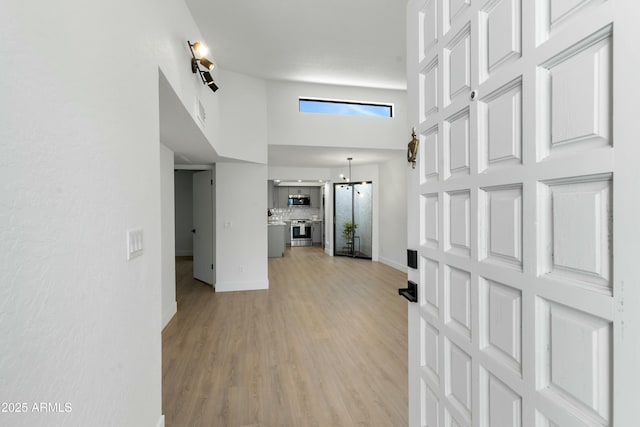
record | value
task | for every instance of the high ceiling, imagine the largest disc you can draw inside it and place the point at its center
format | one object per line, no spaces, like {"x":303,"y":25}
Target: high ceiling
{"x":341,"y":42}
{"x":347,"y":42}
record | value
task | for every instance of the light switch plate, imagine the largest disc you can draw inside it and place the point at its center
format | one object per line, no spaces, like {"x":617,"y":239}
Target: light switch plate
{"x":134,"y":243}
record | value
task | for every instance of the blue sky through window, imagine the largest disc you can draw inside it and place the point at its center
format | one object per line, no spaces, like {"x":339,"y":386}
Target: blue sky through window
{"x":344,"y":107}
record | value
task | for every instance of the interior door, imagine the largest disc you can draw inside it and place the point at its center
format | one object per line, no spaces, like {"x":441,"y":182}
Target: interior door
{"x":203,"y":241}
{"x":519,"y":321}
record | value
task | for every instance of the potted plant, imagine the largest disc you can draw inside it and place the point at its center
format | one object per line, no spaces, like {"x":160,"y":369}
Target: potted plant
{"x":348,"y":231}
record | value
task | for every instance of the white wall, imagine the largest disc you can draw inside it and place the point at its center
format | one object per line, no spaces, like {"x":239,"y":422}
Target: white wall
{"x":292,"y":173}
{"x":393,"y":212}
{"x":167,"y":221}
{"x":241,"y":227}
{"x":184,"y":212}
{"x":79,"y":166}
{"x":243,"y":117}
{"x":287,"y":126}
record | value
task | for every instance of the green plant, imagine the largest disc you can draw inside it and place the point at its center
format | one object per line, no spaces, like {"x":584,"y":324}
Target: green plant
{"x":348,"y":231}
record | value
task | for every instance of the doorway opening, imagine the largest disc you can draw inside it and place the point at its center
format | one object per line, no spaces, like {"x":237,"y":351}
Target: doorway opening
{"x":194,"y":222}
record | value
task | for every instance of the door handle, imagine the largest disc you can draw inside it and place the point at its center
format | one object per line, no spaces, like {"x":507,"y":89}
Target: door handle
{"x":411,"y":292}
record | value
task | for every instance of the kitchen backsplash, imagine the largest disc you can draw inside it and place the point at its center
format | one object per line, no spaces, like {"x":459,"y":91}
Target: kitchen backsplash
{"x":294,"y":212}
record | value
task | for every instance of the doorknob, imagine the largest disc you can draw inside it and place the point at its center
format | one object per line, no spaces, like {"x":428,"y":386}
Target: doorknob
{"x":410,"y":293}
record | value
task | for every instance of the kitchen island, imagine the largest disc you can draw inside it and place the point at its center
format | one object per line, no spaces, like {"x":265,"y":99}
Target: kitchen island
{"x":276,"y":238}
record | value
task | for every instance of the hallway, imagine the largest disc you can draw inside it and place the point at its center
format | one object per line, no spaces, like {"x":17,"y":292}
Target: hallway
{"x":326,"y":345}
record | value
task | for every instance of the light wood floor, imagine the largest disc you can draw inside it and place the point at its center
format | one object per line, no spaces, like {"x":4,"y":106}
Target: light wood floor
{"x":326,"y":345}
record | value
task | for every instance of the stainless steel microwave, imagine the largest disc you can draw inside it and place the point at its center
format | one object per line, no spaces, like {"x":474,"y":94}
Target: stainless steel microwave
{"x":299,"y":200}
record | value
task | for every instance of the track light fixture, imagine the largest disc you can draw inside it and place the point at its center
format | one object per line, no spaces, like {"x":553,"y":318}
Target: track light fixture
{"x":206,"y":63}
{"x":196,"y":62}
{"x":200,"y":48}
{"x":209,"y":81}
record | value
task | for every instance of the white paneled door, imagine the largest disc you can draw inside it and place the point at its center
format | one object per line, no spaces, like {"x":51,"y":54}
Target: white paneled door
{"x":203,"y":228}
{"x":525,"y":189}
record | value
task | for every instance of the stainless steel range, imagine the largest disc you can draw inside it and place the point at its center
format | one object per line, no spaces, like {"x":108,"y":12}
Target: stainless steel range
{"x":301,"y":232}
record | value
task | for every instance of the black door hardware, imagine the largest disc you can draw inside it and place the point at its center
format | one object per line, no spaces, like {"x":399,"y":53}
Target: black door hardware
{"x":412,"y":258}
{"x":410,"y":293}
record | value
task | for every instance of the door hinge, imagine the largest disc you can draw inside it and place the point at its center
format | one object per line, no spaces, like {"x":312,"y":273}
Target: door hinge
{"x":212,"y":266}
{"x":211,"y":182}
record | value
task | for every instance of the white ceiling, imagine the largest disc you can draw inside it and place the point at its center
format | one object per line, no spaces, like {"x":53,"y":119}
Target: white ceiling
{"x":343,"y":42}
{"x":347,"y":42}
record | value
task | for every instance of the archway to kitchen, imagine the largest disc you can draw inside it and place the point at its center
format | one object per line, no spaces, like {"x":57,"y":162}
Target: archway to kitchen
{"x":296,"y":214}
{"x":285,"y":181}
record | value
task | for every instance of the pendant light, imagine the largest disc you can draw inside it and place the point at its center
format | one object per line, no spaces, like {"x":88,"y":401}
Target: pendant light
{"x":347,"y":178}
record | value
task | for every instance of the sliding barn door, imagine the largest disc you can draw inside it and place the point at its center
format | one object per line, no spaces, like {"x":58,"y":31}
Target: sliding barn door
{"x":525,"y":188}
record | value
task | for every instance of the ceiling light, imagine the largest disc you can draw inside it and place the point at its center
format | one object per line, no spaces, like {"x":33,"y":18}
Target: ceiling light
{"x":206,"y":63}
{"x":196,"y":62}
{"x":200,"y":48}
{"x":206,"y":77}
{"x":346,"y":178}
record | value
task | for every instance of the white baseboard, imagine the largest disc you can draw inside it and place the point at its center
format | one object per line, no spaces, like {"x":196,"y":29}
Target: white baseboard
{"x":160,"y":422}
{"x":256,"y":285}
{"x":393,"y":264}
{"x":168,"y":314}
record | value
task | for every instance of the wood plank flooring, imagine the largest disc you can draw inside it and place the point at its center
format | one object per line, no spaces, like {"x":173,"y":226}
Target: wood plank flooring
{"x":326,"y":345}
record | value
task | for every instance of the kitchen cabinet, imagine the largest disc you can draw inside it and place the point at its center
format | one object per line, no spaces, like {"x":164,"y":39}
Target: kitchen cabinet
{"x":314,"y":192}
{"x":280,"y":195}
{"x":283,"y":196}
{"x":287,"y":233}
{"x":276,"y":240}
{"x":299,"y":190}
{"x":270,"y":198}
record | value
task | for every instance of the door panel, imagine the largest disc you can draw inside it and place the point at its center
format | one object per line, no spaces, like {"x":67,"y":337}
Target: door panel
{"x":501,"y":406}
{"x":457,"y":381}
{"x":458,"y":143}
{"x":457,"y":297}
{"x":500,"y":118}
{"x":457,"y":214}
{"x":457,"y":73}
{"x":500,"y":317}
{"x":500,"y":212}
{"x":574,"y":364}
{"x":203,"y":252}
{"x":501,"y":22}
{"x":518,"y":310}
{"x":578,"y":88}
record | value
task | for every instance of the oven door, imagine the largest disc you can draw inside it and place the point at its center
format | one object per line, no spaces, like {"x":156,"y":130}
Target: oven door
{"x":300,"y":232}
